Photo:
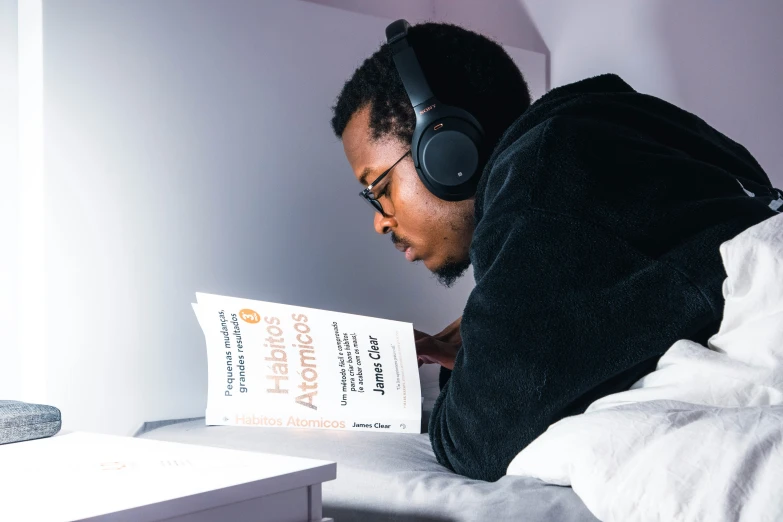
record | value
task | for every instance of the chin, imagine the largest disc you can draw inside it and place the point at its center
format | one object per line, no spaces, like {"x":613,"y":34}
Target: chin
{"x":433,"y":265}
{"x":448,"y":272}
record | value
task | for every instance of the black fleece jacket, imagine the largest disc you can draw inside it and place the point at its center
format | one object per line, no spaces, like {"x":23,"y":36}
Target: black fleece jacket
{"x":598,"y":221}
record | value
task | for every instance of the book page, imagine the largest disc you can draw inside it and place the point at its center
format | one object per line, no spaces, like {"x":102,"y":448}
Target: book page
{"x":276,"y":365}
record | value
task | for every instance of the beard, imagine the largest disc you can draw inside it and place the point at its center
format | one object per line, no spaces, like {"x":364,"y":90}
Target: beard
{"x":452,"y":270}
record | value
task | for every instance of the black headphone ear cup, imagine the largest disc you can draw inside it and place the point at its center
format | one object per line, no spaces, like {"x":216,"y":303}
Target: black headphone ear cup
{"x":450,"y":158}
{"x":447,"y":144}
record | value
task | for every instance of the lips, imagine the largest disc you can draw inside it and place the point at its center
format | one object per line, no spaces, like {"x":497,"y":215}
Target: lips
{"x":405,"y":249}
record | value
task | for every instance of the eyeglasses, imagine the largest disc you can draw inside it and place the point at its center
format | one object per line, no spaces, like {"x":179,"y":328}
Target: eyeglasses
{"x":368,"y":195}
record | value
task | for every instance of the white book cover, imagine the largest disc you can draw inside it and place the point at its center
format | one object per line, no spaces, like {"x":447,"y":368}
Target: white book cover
{"x":277,"y":365}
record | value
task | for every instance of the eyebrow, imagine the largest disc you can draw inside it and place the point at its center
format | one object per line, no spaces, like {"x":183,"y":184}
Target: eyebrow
{"x":366,"y":172}
{"x":369,"y":170}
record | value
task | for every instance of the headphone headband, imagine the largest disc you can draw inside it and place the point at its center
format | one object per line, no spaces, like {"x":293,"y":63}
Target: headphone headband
{"x":447,"y":142}
{"x":407,"y":64}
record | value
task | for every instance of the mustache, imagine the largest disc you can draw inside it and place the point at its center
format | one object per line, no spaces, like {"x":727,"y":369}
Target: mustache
{"x":397,"y":240}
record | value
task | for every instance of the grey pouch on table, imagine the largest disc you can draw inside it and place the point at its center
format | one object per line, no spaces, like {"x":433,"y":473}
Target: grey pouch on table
{"x":21,"y":421}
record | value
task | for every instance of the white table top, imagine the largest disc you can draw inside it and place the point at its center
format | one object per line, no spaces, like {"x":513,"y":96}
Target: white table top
{"x":78,"y":475}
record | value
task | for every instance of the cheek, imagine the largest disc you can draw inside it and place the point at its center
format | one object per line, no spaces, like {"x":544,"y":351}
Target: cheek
{"x":413,"y":204}
{"x":421,"y":214}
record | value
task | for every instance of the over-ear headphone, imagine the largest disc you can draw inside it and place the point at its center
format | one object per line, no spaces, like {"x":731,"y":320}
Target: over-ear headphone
{"x":447,"y":145}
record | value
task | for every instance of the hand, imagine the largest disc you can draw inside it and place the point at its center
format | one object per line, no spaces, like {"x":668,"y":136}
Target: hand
{"x":441,"y":348}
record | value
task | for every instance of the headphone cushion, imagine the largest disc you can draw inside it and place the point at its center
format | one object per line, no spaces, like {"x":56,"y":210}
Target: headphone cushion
{"x":449,"y":156}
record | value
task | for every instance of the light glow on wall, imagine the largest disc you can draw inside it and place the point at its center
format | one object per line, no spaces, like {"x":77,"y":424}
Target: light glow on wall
{"x":31,"y":282}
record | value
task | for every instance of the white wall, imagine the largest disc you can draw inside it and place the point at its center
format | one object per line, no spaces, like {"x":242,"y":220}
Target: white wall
{"x":505,"y":21}
{"x":10,"y":359}
{"x":188,"y":148}
{"x":412,"y":10}
{"x":718,"y":59}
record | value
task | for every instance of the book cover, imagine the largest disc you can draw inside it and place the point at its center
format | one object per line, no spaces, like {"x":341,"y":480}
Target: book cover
{"x":278,"y":365}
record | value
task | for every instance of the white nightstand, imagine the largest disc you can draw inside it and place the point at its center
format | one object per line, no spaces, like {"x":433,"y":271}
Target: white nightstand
{"x":86,"y":476}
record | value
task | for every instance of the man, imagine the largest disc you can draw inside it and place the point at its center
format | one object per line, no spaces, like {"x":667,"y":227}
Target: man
{"x":593,"y":235}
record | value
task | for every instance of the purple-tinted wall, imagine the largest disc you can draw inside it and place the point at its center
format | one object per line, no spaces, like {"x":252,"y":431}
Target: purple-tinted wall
{"x":721,"y":60}
{"x":506,"y":21}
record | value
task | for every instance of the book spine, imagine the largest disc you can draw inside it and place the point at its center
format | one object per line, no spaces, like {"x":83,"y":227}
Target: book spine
{"x":280,"y":420}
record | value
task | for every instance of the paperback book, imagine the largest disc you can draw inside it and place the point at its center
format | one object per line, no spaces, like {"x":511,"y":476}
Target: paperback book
{"x":277,"y":365}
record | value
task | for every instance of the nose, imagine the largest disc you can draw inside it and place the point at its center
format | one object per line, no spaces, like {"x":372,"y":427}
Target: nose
{"x":383,"y":224}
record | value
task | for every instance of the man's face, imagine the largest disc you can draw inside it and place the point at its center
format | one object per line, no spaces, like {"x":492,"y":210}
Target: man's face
{"x":424,"y":227}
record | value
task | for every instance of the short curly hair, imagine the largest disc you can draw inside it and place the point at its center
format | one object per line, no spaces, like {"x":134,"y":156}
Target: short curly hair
{"x":463,"y":68}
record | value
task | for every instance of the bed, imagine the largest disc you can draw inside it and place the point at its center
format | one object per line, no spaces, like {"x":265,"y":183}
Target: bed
{"x":389,"y":476}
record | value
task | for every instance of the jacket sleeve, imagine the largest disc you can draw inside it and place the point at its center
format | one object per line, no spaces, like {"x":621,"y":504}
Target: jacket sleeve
{"x":562,"y":313}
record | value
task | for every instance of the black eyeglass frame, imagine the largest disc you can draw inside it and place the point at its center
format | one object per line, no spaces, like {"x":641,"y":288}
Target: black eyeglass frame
{"x":368,"y":195}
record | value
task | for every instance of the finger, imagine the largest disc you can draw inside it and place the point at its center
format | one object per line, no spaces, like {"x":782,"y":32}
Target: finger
{"x":427,"y":359}
{"x":419,"y":335}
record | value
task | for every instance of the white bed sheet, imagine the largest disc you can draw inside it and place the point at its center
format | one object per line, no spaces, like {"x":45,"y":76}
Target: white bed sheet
{"x":388,"y":476}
